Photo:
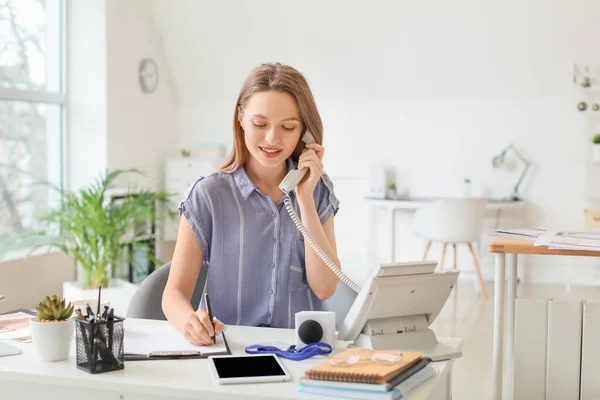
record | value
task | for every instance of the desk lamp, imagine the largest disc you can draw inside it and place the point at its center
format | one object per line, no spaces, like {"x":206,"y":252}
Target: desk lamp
{"x":499,"y":160}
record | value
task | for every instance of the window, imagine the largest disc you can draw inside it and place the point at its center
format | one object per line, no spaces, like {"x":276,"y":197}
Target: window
{"x":32,"y":110}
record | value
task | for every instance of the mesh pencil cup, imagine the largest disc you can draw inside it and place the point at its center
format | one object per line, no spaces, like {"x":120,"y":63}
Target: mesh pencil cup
{"x":100,"y":345}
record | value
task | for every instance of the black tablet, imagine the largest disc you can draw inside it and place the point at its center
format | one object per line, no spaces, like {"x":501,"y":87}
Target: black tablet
{"x":248,"y":368}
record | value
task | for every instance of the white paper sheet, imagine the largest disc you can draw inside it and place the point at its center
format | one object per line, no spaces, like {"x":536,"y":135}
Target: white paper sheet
{"x":147,"y":338}
{"x":525,"y":233}
{"x":17,"y":334}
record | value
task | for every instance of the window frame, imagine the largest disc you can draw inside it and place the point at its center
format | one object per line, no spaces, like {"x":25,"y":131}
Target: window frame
{"x":59,"y":98}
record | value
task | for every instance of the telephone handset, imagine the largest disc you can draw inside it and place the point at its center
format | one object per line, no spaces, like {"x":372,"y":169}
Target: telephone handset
{"x":291,"y":180}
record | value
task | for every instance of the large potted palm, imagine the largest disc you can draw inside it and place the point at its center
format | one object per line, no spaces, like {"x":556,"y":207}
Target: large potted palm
{"x":94,"y":230}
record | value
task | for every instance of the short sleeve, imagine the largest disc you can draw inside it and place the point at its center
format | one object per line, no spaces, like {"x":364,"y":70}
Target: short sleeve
{"x":325,"y":199}
{"x":197,"y":209}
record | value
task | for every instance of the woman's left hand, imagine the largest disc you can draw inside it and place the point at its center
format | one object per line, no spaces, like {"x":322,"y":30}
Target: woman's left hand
{"x":310,"y":159}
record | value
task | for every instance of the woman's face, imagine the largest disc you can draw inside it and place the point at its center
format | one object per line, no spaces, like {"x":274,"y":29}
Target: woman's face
{"x":272,"y":127}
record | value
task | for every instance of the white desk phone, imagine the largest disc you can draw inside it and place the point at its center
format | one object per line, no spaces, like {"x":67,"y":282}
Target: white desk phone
{"x":398,"y":301}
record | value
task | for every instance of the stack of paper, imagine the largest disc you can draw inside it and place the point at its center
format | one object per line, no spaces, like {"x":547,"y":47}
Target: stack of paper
{"x":525,"y":233}
{"x":570,"y":240}
{"x":563,"y":240}
{"x":15,"y":326}
{"x":148,"y":338}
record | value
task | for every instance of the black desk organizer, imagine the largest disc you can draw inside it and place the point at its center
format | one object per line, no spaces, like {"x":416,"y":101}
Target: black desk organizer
{"x":100,"y":345}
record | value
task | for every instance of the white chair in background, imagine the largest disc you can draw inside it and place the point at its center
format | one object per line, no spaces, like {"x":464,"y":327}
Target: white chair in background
{"x":454,"y":221}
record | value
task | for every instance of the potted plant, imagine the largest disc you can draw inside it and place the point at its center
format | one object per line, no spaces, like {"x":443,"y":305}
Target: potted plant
{"x":52,"y":329}
{"x":596,"y":147}
{"x":96,"y":232}
{"x":391,"y":192}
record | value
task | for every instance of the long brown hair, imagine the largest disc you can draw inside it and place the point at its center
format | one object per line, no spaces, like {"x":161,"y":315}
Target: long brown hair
{"x":283,"y":78}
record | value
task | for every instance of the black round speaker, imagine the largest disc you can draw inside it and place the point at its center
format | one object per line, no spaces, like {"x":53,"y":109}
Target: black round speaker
{"x":310,"y":331}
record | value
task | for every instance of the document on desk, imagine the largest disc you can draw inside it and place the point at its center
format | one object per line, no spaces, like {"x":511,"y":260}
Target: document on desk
{"x":152,"y":341}
{"x":15,"y":325}
{"x":525,"y":233}
{"x":570,"y":240}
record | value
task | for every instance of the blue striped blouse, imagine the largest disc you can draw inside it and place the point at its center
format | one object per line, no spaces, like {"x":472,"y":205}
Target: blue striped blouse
{"x":257,"y":273}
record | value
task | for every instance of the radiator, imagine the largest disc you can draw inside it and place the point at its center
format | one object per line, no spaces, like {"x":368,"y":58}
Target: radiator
{"x":557,"y":350}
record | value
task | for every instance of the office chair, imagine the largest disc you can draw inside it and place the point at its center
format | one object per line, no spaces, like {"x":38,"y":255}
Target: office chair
{"x":455,"y":221}
{"x":147,"y":300}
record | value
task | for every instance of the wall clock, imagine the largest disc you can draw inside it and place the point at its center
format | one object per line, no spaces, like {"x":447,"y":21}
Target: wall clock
{"x":148,"y":75}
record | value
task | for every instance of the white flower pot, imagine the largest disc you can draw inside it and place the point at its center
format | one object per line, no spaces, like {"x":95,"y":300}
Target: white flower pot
{"x":118,"y":295}
{"x":596,"y":152}
{"x":52,"y":339}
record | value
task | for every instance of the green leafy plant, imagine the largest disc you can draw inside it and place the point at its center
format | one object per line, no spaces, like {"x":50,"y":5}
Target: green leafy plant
{"x":596,"y":139}
{"x":95,"y":230}
{"x":53,"y":308}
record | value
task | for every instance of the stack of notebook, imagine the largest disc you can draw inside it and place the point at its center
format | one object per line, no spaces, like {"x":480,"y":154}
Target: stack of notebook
{"x":368,"y":380}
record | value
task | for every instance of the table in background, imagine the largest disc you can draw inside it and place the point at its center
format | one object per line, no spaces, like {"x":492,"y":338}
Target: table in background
{"x":411,"y":205}
{"x":506,"y":249}
{"x":25,"y":376}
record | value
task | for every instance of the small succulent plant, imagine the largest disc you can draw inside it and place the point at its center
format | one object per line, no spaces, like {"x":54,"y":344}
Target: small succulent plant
{"x":53,"y":308}
{"x":596,"y":139}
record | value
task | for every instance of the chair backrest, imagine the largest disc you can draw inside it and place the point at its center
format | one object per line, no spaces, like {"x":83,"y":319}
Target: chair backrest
{"x":452,"y":220}
{"x":147,"y":300}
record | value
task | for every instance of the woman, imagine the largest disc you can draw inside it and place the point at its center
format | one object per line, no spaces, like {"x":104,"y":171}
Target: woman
{"x":261,"y":270}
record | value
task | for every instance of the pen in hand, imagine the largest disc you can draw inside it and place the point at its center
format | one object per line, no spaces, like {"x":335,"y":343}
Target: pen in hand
{"x":210,"y":316}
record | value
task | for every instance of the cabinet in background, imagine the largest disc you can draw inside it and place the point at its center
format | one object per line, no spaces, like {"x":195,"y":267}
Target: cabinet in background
{"x":180,"y":173}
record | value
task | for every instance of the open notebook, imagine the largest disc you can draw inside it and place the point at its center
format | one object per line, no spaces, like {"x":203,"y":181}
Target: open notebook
{"x":151,"y":341}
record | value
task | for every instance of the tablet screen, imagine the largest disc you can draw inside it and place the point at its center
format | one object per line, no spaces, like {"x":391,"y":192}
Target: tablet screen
{"x":241,"y":367}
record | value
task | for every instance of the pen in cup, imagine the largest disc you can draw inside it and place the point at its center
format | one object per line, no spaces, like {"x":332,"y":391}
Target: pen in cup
{"x":89,"y":312}
{"x":210,"y":316}
{"x":110,"y":316}
{"x":98,"y":305}
{"x":105,"y":313}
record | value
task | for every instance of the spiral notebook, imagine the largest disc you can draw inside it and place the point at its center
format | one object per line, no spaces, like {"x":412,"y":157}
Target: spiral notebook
{"x":362,"y":372}
{"x":414,"y":382}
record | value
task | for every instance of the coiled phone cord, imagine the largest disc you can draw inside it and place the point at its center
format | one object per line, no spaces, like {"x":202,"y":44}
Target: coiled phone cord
{"x":336,"y":270}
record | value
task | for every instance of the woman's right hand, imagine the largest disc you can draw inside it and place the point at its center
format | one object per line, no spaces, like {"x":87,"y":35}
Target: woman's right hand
{"x":199,"y":330}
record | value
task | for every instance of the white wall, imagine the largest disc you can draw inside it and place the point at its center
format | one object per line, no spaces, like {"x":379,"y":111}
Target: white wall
{"x":112,"y":123}
{"x":433,"y":88}
{"x":142,"y":128}
{"x":86,"y":91}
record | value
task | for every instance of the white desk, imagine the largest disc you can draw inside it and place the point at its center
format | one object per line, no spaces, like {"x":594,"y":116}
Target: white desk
{"x":411,"y":205}
{"x":25,"y":377}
